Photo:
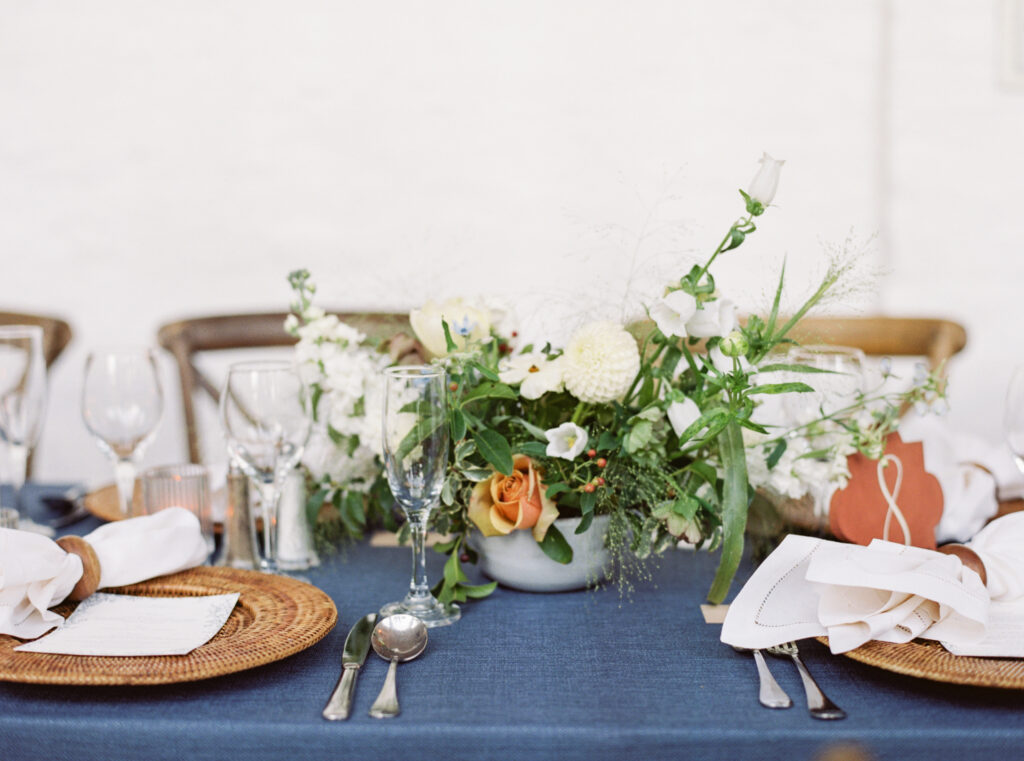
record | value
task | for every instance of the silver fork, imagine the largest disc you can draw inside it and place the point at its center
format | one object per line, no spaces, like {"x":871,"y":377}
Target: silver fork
{"x":771,"y":695}
{"x":819,"y":706}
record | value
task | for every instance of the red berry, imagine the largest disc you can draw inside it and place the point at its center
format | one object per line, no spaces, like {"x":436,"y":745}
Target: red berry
{"x":591,"y":453}
{"x":464,"y":557}
{"x":515,"y":333}
{"x":600,"y":481}
{"x":588,"y":488}
{"x":601,"y":462}
{"x":453,"y":386}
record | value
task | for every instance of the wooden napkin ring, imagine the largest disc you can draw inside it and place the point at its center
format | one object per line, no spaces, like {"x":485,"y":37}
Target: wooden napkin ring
{"x":86,"y":585}
{"x":968,"y":557}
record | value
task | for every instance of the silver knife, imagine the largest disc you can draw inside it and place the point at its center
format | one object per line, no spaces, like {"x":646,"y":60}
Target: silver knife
{"x":357,"y":645}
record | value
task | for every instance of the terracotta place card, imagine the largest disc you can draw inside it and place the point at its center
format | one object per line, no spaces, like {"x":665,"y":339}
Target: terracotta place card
{"x":891,"y":498}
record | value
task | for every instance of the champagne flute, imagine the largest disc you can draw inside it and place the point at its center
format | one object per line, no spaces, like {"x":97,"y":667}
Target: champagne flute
{"x":416,"y":457}
{"x":266,"y":425}
{"x":1013,"y":417}
{"x":122,"y":402}
{"x":22,"y":398}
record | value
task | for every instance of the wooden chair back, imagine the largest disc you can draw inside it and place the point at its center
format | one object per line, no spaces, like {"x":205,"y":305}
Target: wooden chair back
{"x":56,"y":336}
{"x":935,"y":339}
{"x":56,"y":332}
{"x":186,"y":339}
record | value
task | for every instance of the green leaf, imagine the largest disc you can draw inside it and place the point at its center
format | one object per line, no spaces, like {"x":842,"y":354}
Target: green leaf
{"x":449,"y":343}
{"x":705,"y":472}
{"x":494,"y":448}
{"x":476,"y":475}
{"x":532,"y":449}
{"x":707,"y":420}
{"x":734,"y":510}
{"x":775,"y":304}
{"x":607,"y":441}
{"x":464,"y":449}
{"x":670,"y":361}
{"x":555,"y":546}
{"x":588,"y":502}
{"x":424,"y":429}
{"x":445,"y":547}
{"x":585,"y":522}
{"x":458,"y":423}
{"x":780,"y":388}
{"x":556,"y":489}
{"x":646,"y":392}
{"x":490,"y":390}
{"x":478,"y":591}
{"x":487,"y":372}
{"x":313,"y":505}
{"x":453,"y":570}
{"x":790,"y":368}
{"x":534,"y":430}
{"x":776,"y":454}
{"x":752,"y":426}
{"x":314,"y":402}
{"x":639,"y":436}
{"x":686,"y":506}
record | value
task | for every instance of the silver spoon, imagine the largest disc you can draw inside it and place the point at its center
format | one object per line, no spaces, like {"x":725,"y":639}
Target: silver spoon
{"x":397,"y":639}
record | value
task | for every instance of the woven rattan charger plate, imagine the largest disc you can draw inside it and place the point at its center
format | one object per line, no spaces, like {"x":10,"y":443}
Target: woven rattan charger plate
{"x":930,"y":660}
{"x":275,"y":617}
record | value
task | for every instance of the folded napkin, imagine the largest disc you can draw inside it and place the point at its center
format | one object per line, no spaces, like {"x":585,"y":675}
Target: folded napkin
{"x":36,"y":574}
{"x":972,"y":470}
{"x":812,"y":587}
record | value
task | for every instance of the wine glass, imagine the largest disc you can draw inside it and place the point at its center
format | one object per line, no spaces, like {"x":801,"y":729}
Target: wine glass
{"x":122,"y":402}
{"x":1013,"y":417}
{"x":266,"y":423}
{"x":833,"y":391}
{"x":22,"y":397}
{"x":416,"y":457}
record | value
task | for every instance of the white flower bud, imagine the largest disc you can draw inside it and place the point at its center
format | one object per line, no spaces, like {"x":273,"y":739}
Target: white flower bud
{"x":766,"y":181}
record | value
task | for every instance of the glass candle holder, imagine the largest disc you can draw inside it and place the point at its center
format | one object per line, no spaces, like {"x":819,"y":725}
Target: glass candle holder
{"x":186,"y":486}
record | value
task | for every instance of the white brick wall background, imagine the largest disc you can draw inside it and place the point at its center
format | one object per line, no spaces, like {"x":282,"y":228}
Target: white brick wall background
{"x":160,"y":160}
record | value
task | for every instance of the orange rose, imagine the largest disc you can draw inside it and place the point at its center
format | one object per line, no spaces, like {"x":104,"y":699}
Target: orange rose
{"x":502,"y":504}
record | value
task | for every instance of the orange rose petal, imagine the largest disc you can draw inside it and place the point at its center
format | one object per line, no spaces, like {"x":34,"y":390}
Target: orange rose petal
{"x":479,"y":512}
{"x":547,"y":516}
{"x":529,"y":512}
{"x":498,"y":521}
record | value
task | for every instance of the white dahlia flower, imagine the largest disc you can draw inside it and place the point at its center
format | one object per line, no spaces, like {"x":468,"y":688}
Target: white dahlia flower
{"x":600,"y":362}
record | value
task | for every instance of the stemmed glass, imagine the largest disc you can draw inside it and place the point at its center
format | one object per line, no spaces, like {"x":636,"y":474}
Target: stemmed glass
{"x":22,"y":397}
{"x":122,"y":402}
{"x":833,"y":391}
{"x":416,"y":457}
{"x":1013,"y":418}
{"x":266,"y":425}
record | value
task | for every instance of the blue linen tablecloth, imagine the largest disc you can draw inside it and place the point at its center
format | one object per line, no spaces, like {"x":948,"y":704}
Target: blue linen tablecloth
{"x":579,"y":675}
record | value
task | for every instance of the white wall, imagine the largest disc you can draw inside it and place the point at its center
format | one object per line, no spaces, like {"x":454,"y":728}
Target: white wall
{"x":166,"y":159}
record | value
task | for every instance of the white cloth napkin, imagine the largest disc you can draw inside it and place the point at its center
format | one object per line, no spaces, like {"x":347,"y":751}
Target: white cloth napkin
{"x":971,"y":470}
{"x":36,"y":574}
{"x":811,"y":587}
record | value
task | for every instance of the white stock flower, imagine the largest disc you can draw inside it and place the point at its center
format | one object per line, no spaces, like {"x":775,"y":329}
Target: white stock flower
{"x":671,"y":313}
{"x":466,"y":322}
{"x":766,"y":181}
{"x":534,"y":371}
{"x":712,"y":318}
{"x":681,"y":415}
{"x":600,"y":362}
{"x":567,"y":441}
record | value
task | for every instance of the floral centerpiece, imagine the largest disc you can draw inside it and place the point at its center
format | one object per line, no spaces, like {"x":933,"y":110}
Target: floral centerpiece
{"x":654,"y":425}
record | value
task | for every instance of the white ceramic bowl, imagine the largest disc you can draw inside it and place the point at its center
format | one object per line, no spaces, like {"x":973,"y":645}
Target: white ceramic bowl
{"x":515,"y":560}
